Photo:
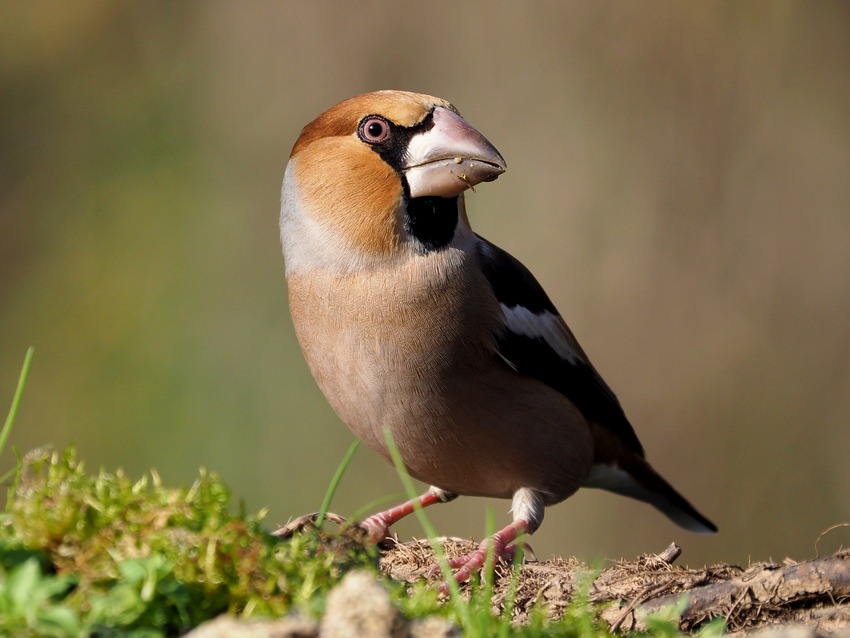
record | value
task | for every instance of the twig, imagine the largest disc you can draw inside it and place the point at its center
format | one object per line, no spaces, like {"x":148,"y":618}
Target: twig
{"x":827,"y":531}
{"x":809,"y":580}
{"x":308,"y":520}
{"x":648,"y":592}
{"x":670,"y":554}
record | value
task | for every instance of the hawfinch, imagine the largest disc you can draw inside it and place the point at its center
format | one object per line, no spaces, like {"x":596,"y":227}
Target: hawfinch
{"x":412,"y":323}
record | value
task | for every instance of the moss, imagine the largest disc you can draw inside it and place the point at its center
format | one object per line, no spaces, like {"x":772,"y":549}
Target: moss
{"x":134,"y":555}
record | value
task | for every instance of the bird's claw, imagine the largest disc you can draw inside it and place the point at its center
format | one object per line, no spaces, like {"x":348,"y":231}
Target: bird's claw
{"x":464,"y":566}
{"x":376,"y":528}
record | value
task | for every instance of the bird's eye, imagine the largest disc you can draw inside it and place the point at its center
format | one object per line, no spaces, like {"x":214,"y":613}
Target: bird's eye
{"x":374,"y":130}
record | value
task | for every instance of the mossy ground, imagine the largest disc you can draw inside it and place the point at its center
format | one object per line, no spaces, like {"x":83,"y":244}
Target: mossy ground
{"x":102,"y":554}
{"x":99,"y":551}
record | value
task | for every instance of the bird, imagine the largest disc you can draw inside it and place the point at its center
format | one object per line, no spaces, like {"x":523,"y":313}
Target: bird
{"x":414,"y":325}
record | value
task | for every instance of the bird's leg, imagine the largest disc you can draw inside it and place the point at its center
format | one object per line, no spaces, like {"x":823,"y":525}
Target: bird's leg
{"x":378,"y":525}
{"x":528,"y":511}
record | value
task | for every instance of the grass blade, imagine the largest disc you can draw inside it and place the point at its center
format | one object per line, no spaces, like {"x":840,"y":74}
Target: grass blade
{"x":335,"y":481}
{"x":430,"y":530}
{"x":16,"y":400}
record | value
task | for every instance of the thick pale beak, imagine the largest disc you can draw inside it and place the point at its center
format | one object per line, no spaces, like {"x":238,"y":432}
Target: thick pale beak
{"x":449,"y":158}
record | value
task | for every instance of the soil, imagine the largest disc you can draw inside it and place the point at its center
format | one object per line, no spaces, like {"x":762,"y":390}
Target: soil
{"x":813,"y":593}
{"x":804,"y":599}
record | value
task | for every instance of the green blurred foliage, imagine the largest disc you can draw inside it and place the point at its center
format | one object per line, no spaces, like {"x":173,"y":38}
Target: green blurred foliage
{"x":678,"y":180}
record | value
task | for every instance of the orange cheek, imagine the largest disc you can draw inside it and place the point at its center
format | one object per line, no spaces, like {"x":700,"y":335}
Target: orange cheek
{"x":348,"y":188}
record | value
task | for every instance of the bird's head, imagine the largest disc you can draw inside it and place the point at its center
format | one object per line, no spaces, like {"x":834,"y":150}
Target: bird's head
{"x":378,"y":175}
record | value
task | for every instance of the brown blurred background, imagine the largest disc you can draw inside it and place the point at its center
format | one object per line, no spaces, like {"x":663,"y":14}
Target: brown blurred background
{"x":679,"y":180}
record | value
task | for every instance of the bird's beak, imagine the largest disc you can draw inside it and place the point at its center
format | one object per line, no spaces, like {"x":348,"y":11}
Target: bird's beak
{"x":450,"y":157}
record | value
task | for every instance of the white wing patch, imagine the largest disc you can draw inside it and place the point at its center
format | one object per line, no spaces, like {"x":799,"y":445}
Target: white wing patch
{"x":546,"y":326}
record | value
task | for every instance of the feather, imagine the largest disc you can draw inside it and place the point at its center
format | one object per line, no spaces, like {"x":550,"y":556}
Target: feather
{"x":538,"y":343}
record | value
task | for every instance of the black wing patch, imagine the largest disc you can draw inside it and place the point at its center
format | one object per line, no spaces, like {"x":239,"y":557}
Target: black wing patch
{"x":539,"y":352}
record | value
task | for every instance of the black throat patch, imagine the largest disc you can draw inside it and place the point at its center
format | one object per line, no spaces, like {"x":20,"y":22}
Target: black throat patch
{"x":432,"y":221}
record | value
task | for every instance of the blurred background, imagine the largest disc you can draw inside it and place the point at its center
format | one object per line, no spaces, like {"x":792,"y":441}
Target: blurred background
{"x":679,"y":181}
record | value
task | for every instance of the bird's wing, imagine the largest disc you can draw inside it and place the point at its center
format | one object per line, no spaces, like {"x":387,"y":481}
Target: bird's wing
{"x":538,"y":343}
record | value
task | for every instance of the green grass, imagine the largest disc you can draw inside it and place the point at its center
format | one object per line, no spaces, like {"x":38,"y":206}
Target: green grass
{"x":98,"y":552}
{"x":16,"y":399}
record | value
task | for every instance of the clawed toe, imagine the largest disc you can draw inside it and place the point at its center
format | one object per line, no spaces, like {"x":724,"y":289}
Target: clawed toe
{"x":502,"y":546}
{"x":376,"y":528}
{"x":463,"y":567}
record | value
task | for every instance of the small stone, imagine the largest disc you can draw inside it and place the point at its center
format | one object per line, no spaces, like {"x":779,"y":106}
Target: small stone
{"x":229,"y":627}
{"x":360,"y":606}
{"x":433,"y":627}
{"x":784,"y":631}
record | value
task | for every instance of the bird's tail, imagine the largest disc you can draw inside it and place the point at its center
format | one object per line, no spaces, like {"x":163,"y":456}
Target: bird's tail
{"x":633,"y":476}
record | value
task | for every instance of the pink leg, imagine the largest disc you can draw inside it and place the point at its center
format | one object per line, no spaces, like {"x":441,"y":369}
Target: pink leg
{"x":378,"y":525}
{"x":502,"y":549}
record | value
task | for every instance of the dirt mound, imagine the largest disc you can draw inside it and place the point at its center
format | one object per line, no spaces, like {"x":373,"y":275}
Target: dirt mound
{"x":813,"y":593}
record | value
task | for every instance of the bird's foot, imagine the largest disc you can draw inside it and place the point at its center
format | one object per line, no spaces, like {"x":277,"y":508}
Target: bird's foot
{"x":501,"y":546}
{"x":465,"y":566}
{"x":377,"y":527}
